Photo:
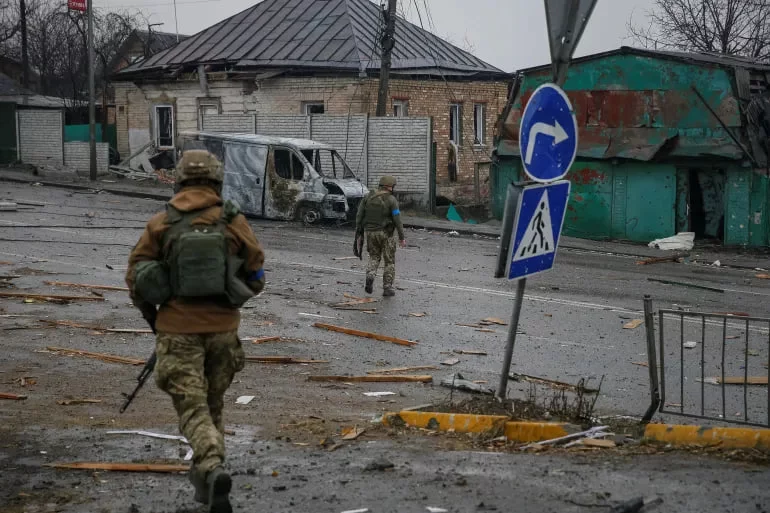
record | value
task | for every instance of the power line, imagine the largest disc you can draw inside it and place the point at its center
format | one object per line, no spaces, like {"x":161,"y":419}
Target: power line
{"x":164,"y":4}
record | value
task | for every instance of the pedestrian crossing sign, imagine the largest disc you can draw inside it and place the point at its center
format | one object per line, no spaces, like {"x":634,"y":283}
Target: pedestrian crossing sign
{"x":536,"y":228}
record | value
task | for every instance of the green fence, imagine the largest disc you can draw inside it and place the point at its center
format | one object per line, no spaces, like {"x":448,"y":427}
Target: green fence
{"x":80,"y":133}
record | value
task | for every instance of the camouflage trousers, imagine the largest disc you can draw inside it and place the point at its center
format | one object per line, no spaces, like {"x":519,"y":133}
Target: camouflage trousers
{"x":381,"y":247}
{"x":196,"y":371}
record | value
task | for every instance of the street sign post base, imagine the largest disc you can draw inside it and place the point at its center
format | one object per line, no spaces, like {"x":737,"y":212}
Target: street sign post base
{"x":502,"y":389}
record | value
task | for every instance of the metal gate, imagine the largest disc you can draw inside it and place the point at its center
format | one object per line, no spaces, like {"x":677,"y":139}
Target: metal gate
{"x":8,"y":149}
{"x":710,"y":366}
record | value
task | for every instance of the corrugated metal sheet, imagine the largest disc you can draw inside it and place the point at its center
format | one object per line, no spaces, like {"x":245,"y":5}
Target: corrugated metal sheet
{"x":342,"y":34}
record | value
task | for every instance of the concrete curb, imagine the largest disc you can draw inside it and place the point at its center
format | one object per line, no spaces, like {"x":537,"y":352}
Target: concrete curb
{"x":515,"y":431}
{"x":728,"y":437}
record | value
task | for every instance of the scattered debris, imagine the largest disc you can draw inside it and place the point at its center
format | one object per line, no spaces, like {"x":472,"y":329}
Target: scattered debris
{"x":121,"y":467}
{"x":262,"y":340}
{"x":244,"y":399}
{"x":362,"y":510}
{"x":303,"y":314}
{"x":476,"y":326}
{"x":375,"y":378}
{"x":594,"y":442}
{"x":753,"y":352}
{"x":450,"y":361}
{"x":432,"y":509}
{"x":379,"y":465}
{"x":378,"y":394}
{"x":70,"y":402}
{"x":495,"y":320}
{"x":560,"y":385}
{"x":345,"y":258}
{"x":683,"y":241}
{"x":690,"y":345}
{"x":737,"y":380}
{"x":281,"y":359}
{"x":486,"y":330}
{"x":348,"y":305}
{"x":660,"y":260}
{"x":70,"y":324}
{"x":683,"y":284}
{"x":365,"y":334}
{"x":351,"y":433}
{"x":453,"y":233}
{"x":472,"y":352}
{"x":417,"y":314}
{"x":50,"y":297}
{"x":85,"y":286}
{"x":594,"y":432}
{"x":763,"y":276}
{"x":633,"y":324}
{"x":264,"y":323}
{"x":717,"y":263}
{"x":640,"y":364}
{"x":396,"y":370}
{"x":458,"y":382}
{"x":149,"y":434}
{"x":12,"y":397}
{"x":7,"y":206}
{"x":98,"y":356}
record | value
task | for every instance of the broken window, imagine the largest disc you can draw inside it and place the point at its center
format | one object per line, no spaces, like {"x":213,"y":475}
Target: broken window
{"x":479,"y":119}
{"x":309,"y":108}
{"x":455,"y":119}
{"x":288,"y":165}
{"x":164,"y":126}
{"x":400,"y":108}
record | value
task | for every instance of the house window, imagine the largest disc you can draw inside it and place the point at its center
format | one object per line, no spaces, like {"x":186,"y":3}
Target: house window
{"x":207,"y":107}
{"x":288,"y":165}
{"x":455,"y":118}
{"x":164,"y":126}
{"x":309,"y":108}
{"x":400,"y":108}
{"x":479,"y":119}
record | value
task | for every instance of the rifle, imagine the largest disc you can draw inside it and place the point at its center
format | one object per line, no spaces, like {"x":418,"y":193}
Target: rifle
{"x":150,"y":314}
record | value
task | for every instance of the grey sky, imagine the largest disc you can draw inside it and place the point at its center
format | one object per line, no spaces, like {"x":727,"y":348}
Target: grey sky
{"x":510,"y":34}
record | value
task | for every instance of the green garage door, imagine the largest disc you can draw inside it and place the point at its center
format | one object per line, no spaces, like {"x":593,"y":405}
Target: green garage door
{"x":8,"y":153}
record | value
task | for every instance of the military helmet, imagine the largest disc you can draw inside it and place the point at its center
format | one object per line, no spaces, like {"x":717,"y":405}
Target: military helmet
{"x":199,"y":164}
{"x":387,"y":181}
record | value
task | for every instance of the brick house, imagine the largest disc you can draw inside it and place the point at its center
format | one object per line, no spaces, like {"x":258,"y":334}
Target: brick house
{"x":318,"y":57}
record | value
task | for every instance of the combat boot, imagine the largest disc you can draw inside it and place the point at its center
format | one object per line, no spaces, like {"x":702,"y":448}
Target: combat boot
{"x":389,"y":291}
{"x":219,"y":484}
{"x":199,"y":482}
{"x":369,"y":287}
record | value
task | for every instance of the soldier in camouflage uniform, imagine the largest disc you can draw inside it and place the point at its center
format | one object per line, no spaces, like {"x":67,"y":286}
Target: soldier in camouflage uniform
{"x":197,"y":345}
{"x":379,"y":217}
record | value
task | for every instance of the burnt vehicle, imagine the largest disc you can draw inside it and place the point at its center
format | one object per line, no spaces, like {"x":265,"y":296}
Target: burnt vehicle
{"x":282,"y":178}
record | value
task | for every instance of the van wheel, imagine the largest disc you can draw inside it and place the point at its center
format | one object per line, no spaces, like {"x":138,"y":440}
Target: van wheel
{"x":308,"y":215}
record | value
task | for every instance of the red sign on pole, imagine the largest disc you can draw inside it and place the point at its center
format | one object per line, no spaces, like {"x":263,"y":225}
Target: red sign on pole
{"x":77,"y":5}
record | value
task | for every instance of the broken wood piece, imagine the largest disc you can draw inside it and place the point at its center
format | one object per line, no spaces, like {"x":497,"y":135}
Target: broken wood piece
{"x":633,"y":324}
{"x":351,"y":433}
{"x":396,"y":370}
{"x":640,"y":364}
{"x":598,"y":442}
{"x":450,"y":361}
{"x":763,"y":276}
{"x":660,"y":260}
{"x":70,"y":402}
{"x":85,"y":286}
{"x":477,"y":326}
{"x":684,"y":284}
{"x":551,"y":383}
{"x":49,"y":297}
{"x":12,"y":397}
{"x":365,"y":334}
{"x":486,"y":330}
{"x":120,"y":467}
{"x":375,"y":378}
{"x":281,"y":359}
{"x":71,"y":324}
{"x":345,"y":258}
{"x":262,"y":340}
{"x":471,"y":352}
{"x":738,"y":380}
{"x":97,"y":356}
{"x":495,"y":320}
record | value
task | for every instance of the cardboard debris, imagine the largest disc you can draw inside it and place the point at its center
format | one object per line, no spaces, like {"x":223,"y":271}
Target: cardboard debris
{"x":351,"y":433}
{"x":97,"y":356}
{"x":495,"y":320}
{"x":50,"y":297}
{"x":633,"y":324}
{"x":365,"y":334}
{"x":85,"y":286}
{"x":472,"y":352}
{"x":244,"y":399}
{"x":281,"y":359}
{"x":378,"y":394}
{"x":12,"y":397}
{"x":262,"y":340}
{"x":375,"y":378}
{"x":396,"y":370}
{"x":450,"y":361}
{"x":120,"y":467}
{"x":70,"y":402}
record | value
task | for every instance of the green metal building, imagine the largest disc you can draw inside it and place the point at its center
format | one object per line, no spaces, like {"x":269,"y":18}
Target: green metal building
{"x":668,"y":142}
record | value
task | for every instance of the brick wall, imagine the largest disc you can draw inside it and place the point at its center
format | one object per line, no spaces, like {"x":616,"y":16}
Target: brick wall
{"x":77,"y":155}
{"x":41,"y":136}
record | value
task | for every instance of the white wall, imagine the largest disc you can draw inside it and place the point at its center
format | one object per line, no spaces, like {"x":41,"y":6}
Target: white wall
{"x":77,"y":155}
{"x":41,"y":136}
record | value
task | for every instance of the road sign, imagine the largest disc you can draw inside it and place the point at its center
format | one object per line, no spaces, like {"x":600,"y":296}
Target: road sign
{"x":566,"y":21}
{"x":537,"y":228}
{"x":548,"y":136}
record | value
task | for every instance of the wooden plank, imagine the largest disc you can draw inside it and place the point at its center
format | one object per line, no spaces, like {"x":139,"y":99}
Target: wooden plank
{"x":375,"y":378}
{"x":12,"y":397}
{"x":597,"y":442}
{"x":364,"y":334}
{"x":630,"y":325}
{"x":85,"y":286}
{"x":46,"y":297}
{"x":470,"y":352}
{"x":70,"y":402}
{"x":396,"y":370}
{"x":495,"y":320}
{"x":281,"y":359}
{"x":262,"y":340}
{"x":739,"y":380}
{"x":97,"y":356}
{"x":71,"y":324}
{"x":120,"y":467}
{"x":663,"y":259}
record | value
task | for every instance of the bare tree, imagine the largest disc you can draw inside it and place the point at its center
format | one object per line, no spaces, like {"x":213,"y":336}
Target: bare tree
{"x":732,"y":27}
{"x":9,"y":20}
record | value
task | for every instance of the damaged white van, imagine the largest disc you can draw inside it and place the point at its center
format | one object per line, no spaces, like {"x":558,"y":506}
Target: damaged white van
{"x":281,"y":178}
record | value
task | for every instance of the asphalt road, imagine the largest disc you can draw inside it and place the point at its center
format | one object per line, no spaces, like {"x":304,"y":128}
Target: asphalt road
{"x":571,"y":328}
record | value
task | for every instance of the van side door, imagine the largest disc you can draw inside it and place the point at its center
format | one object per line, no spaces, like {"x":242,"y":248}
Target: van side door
{"x":245,"y":176}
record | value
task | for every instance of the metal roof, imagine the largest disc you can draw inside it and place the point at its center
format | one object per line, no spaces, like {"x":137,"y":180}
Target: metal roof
{"x":314,"y":34}
{"x":301,"y":144}
{"x":158,"y":41}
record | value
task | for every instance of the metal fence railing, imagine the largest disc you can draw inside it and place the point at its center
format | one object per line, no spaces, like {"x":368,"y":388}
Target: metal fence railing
{"x":710,"y":366}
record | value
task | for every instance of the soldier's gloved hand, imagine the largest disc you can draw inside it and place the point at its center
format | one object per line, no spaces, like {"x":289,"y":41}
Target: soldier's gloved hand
{"x":256,"y":281}
{"x":403,"y":243}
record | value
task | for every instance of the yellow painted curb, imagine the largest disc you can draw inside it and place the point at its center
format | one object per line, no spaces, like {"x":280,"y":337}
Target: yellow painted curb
{"x":732,"y":437}
{"x":457,"y":422}
{"x":526,"y":432}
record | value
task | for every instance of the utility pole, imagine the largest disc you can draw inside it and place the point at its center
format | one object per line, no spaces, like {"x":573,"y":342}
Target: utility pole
{"x":24,"y":54}
{"x":387,"y":42}
{"x":91,"y":92}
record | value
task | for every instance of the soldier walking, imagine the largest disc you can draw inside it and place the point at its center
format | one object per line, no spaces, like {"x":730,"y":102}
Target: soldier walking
{"x":378,"y":218}
{"x":199,"y":261}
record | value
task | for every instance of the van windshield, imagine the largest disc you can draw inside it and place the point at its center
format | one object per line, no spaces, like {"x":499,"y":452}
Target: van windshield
{"x":328,"y":163}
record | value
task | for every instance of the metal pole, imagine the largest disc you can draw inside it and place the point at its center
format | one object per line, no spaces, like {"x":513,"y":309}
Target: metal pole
{"x":91,"y":92}
{"x":652,"y":360}
{"x":502,"y":390}
{"x":176,"y":23}
{"x":24,"y":45}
